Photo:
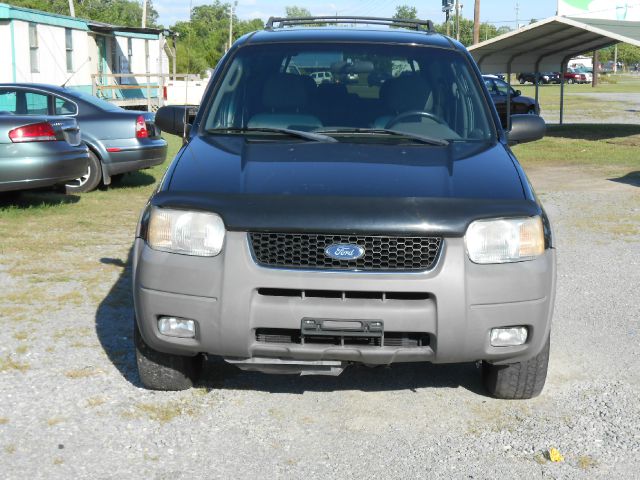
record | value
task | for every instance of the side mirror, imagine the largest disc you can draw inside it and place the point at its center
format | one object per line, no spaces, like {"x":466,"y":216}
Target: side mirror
{"x":526,"y":128}
{"x":174,"y":118}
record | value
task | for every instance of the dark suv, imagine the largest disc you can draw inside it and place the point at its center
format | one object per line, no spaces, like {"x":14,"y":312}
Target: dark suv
{"x":543,"y":78}
{"x":305,"y":227}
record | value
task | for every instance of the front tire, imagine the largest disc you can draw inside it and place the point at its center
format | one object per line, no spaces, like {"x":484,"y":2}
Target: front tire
{"x":164,"y":371}
{"x":517,"y":381}
{"x":90,"y":180}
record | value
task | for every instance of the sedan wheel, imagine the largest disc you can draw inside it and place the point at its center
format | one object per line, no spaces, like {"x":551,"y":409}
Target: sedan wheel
{"x":90,"y":180}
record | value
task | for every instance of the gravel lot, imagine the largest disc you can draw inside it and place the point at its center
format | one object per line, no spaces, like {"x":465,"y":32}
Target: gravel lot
{"x":71,"y":405}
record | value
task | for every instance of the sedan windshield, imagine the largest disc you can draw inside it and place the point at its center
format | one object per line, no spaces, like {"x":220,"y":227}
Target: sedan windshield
{"x":351,"y":91}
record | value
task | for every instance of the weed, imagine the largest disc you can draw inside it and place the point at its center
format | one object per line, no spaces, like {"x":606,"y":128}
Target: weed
{"x":82,"y":372}
{"x":95,"y":401}
{"x":8,"y":363}
{"x":585,"y":462}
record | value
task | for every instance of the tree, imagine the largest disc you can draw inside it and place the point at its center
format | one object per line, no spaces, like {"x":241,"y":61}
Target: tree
{"x":406,"y":12}
{"x":127,"y":13}
{"x":296,"y":12}
{"x":203,"y":39}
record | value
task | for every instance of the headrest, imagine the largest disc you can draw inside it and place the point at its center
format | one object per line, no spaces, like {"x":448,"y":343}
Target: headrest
{"x":406,"y":93}
{"x":335,"y":90}
{"x":285,"y":91}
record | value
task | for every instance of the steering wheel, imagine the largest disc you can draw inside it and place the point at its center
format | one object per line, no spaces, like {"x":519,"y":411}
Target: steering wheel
{"x":414,"y":113}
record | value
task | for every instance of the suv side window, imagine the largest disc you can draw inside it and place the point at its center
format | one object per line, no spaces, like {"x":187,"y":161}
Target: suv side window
{"x":64,"y":107}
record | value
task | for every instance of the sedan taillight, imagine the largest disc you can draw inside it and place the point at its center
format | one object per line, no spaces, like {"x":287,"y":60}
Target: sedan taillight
{"x":141,"y":128}
{"x":36,"y":132}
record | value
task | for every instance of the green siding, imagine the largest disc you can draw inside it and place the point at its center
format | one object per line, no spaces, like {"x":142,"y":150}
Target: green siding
{"x":146,"y":36}
{"x":9,"y":12}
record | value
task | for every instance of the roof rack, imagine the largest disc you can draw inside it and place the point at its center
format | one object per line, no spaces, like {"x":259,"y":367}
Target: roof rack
{"x":396,"y":22}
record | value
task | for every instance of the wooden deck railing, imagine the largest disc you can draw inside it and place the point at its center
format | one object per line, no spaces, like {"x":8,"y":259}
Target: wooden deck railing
{"x":110,"y":86}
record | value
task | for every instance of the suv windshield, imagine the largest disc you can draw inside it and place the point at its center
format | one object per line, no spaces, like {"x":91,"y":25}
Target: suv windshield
{"x":350,"y":89}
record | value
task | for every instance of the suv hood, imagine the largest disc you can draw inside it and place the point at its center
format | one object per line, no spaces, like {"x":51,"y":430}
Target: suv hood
{"x":234,"y":166}
{"x":338,"y":187}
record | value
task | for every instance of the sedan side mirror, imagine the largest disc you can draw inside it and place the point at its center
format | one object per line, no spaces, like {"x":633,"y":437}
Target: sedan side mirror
{"x":526,"y":128}
{"x":176,"y":119}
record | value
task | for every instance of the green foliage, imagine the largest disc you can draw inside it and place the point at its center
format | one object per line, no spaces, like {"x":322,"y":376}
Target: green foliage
{"x":204,"y":39}
{"x":406,"y":12}
{"x":293,"y":12}
{"x":627,"y":54}
{"x":115,"y":12}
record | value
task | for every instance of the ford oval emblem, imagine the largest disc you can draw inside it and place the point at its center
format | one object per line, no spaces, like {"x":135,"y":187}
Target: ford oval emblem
{"x":344,"y":251}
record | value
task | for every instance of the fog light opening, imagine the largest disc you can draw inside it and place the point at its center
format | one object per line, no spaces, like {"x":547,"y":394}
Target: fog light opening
{"x":509,"y":337}
{"x":177,"y":327}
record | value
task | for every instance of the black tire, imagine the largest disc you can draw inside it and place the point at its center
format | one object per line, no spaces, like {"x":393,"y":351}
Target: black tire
{"x":522,"y":80}
{"x":517,"y":381}
{"x":164,"y":371}
{"x":570,"y":81}
{"x":87,"y":182}
{"x":532,"y":111}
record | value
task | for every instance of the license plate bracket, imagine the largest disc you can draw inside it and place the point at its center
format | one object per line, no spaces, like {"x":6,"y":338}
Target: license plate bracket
{"x":332,"y":327}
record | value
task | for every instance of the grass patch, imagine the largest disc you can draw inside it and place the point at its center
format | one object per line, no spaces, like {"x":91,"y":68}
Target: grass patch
{"x":22,"y":349}
{"x":162,"y":412}
{"x":614,"y":147}
{"x":585,"y":462}
{"x":8,"y":363}
{"x":21,"y":335}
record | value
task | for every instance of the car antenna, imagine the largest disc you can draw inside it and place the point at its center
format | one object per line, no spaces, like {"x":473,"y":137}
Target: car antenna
{"x":75,"y":71}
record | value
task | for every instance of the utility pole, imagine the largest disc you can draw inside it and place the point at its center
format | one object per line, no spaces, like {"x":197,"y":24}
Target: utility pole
{"x":144,"y":13}
{"x":447,"y":6}
{"x":231,"y":8}
{"x":476,"y":22}
{"x":517,"y":15}
{"x":458,"y":8}
{"x":596,"y":64}
{"x":72,"y":8}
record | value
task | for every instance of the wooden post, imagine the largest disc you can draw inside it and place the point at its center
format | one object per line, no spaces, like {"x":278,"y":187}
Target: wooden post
{"x":596,"y":63}
{"x":476,"y":22}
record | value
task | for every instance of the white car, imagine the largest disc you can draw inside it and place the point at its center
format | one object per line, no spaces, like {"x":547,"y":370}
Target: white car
{"x":322,"y":77}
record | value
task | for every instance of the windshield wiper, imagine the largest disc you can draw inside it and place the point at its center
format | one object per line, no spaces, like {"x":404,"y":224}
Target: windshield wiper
{"x":386,"y":131}
{"x":315,"y":137}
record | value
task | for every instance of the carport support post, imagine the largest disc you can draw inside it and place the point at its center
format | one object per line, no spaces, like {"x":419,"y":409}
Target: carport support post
{"x":509,"y":97}
{"x":563,"y":69}
{"x":537,"y":92}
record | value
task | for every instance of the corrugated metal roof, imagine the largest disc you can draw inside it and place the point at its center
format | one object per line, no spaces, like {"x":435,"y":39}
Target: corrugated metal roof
{"x":544,"y":46}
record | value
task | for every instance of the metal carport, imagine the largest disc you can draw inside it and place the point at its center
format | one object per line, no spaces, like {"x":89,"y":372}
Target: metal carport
{"x":549,"y":45}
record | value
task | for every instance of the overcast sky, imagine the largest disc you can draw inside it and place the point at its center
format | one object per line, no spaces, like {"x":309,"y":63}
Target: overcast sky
{"x":499,"y":12}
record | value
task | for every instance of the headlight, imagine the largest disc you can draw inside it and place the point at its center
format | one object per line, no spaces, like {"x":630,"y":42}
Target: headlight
{"x":185,"y":232}
{"x":505,"y":240}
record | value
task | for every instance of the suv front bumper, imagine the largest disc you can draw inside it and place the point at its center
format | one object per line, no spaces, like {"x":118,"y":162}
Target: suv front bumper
{"x":225,"y":295}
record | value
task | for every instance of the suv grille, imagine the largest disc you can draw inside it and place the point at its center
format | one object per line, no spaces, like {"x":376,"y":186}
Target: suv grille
{"x":306,"y":251}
